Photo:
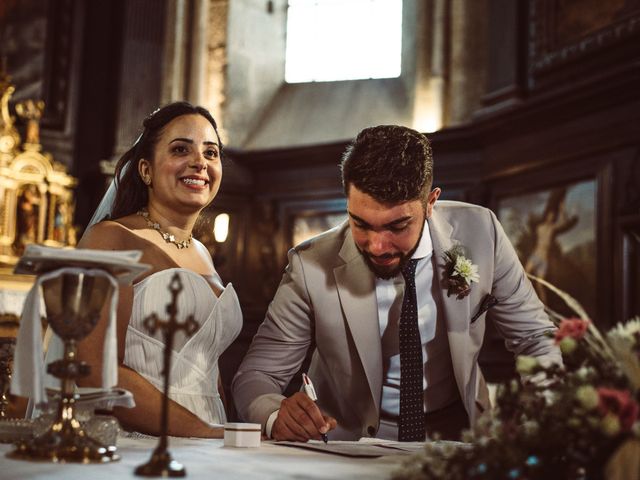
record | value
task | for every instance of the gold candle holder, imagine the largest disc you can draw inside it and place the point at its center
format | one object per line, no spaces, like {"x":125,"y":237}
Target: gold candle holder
{"x":74,"y":302}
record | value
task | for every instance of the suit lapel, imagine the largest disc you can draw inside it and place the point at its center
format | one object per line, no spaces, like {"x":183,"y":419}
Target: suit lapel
{"x":456,"y":312}
{"x":357,"y":292}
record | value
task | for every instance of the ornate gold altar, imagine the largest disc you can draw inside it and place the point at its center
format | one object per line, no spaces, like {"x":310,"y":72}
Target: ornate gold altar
{"x":36,"y":193}
{"x":36,"y":206}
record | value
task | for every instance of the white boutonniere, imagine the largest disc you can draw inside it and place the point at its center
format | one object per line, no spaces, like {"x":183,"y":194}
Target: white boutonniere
{"x":460,"y":272}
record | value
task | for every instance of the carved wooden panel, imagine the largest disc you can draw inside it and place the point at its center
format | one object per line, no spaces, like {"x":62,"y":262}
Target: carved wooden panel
{"x":61,"y":38}
{"x":629,"y":180}
{"x":571,"y":38}
{"x":630,"y":301}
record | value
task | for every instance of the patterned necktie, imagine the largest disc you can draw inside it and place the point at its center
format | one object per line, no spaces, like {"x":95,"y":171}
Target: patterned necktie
{"x":411,"y":424}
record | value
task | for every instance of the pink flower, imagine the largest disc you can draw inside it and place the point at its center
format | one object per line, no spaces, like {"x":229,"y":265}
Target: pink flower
{"x":619,"y":403}
{"x":572,"y":327}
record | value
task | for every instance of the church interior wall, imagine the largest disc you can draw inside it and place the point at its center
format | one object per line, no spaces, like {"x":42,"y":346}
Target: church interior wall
{"x":256,"y":34}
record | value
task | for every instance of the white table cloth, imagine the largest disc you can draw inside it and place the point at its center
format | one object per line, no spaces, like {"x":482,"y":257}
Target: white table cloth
{"x":210,"y":459}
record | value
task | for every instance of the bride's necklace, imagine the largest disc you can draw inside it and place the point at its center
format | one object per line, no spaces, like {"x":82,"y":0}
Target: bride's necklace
{"x":168,"y":237}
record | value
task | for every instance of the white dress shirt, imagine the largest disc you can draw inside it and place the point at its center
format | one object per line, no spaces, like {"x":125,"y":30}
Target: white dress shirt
{"x":439,"y":381}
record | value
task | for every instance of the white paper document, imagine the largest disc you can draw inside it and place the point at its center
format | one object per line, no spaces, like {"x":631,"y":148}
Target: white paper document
{"x":373,"y":447}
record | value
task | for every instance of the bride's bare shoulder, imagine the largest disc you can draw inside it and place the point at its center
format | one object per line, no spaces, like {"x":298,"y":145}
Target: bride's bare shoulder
{"x":109,"y":235}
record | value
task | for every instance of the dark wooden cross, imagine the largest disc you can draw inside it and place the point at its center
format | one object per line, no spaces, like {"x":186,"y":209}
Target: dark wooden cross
{"x":161,"y":464}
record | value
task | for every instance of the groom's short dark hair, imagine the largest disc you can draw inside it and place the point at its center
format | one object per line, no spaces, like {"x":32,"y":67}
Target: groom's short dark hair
{"x":391,"y":163}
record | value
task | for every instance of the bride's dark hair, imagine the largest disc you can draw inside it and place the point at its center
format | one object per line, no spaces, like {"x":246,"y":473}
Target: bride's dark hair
{"x":131,"y":193}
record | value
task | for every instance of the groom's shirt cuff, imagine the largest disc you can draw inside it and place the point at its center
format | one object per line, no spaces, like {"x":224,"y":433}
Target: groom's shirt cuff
{"x":270,"y":421}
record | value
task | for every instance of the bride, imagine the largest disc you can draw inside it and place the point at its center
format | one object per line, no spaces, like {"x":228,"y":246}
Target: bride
{"x":162,"y":184}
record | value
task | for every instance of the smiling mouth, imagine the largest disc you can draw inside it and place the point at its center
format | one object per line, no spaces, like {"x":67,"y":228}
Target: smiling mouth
{"x":197,"y":182}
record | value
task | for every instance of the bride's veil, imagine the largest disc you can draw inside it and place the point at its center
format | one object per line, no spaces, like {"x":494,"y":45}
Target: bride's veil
{"x":106,"y":204}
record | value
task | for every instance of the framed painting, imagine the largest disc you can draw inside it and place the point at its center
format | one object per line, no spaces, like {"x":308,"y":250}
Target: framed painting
{"x":307,"y":218}
{"x":307,"y":226}
{"x":554,"y":233}
{"x":23,"y":33}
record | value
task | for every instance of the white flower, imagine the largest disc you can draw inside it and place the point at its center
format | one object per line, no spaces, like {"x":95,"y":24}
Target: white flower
{"x":627,"y":329}
{"x":549,"y":396}
{"x":583,"y":372}
{"x":465,"y":269}
{"x":622,"y":341}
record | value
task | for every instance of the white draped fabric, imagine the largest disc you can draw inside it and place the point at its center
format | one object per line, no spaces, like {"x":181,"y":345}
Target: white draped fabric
{"x":194,"y":364}
{"x":28,"y":379}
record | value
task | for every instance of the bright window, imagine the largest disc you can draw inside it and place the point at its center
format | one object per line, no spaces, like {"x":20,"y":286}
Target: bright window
{"x":329,"y":40}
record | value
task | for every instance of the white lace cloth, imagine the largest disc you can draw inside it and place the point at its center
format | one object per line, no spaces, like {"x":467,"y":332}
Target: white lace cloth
{"x":194,"y":364}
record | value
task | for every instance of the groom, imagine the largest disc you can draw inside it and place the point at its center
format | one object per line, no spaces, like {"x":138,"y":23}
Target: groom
{"x":394,"y":304}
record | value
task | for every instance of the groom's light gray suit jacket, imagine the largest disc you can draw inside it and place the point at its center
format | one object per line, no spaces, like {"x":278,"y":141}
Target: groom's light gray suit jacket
{"x":327,"y":300}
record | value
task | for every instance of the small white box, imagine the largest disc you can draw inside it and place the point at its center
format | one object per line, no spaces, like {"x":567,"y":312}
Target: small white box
{"x":242,"y":434}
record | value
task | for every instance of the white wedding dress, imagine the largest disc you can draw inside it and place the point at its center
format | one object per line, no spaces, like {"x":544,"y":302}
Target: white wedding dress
{"x":194,"y":363}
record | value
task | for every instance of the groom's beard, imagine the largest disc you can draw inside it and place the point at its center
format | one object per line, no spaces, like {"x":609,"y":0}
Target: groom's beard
{"x":384,"y":272}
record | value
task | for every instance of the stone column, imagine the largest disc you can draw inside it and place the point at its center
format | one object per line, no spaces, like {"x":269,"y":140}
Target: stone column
{"x":468,"y":58}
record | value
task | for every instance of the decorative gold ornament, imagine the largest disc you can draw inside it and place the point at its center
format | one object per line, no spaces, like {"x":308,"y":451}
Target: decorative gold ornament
{"x":9,"y":136}
{"x":36,"y":193}
{"x":7,"y":143}
{"x":168,"y":237}
{"x":31,"y":112}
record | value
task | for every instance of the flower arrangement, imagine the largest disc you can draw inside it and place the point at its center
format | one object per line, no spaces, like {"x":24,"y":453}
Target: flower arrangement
{"x":570,"y":422}
{"x":460,"y":272}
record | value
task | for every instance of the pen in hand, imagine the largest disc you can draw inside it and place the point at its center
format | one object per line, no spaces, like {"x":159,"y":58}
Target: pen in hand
{"x":311,"y":393}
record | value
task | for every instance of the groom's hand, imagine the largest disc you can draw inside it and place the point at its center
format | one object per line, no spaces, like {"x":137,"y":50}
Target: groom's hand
{"x":300,"y":419}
